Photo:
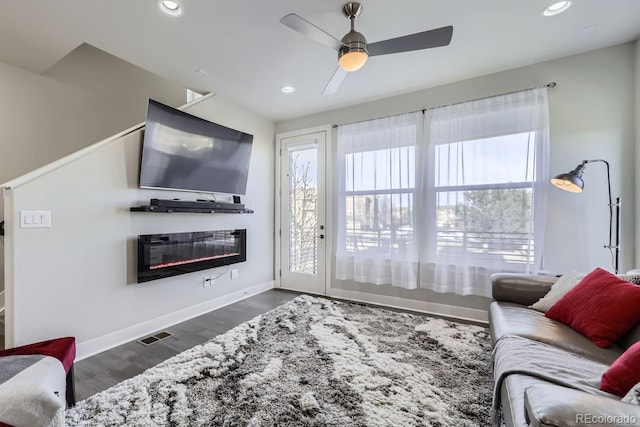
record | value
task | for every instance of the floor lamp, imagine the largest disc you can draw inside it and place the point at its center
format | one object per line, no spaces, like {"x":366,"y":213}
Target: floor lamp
{"x":572,"y":181}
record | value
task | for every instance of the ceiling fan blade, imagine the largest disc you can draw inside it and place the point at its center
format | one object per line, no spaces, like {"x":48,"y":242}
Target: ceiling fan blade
{"x":335,"y":81}
{"x":304,"y":27}
{"x":424,"y":40}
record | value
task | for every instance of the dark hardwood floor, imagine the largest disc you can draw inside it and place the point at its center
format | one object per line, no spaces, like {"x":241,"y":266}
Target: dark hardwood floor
{"x":110,"y":367}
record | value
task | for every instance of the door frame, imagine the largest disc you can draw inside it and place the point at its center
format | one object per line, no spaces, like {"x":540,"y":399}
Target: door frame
{"x":328,"y":202}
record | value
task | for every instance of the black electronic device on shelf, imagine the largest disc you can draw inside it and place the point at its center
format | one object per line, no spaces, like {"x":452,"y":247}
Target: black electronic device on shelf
{"x":198,"y":204}
{"x":193,"y":206}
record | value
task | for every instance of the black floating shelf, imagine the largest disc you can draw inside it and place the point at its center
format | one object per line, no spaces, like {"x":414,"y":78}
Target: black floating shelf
{"x":163,"y":209}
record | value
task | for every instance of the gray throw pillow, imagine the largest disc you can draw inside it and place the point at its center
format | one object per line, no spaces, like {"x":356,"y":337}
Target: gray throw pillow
{"x":558,"y":290}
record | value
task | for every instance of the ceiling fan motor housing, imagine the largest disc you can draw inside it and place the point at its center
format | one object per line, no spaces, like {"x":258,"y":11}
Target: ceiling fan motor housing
{"x":354,"y":42}
{"x":353,"y":55}
{"x":354,"y":52}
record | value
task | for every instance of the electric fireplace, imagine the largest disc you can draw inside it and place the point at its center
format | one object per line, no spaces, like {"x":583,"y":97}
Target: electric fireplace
{"x":165,"y":255}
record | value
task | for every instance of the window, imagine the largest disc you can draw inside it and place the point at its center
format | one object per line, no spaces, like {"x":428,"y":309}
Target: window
{"x":379,"y":200}
{"x":484,"y":200}
{"x":443,"y":200}
{"x":377,"y":181}
{"x":303,"y":220}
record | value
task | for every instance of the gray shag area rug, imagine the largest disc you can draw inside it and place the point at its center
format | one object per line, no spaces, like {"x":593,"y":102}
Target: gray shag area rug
{"x":312,"y":362}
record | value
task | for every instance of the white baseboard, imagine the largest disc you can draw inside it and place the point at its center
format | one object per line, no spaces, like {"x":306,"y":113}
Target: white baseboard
{"x":445,"y":310}
{"x":96,"y":345}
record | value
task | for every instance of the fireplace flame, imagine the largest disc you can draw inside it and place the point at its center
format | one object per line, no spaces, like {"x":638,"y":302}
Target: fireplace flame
{"x":191,"y":261}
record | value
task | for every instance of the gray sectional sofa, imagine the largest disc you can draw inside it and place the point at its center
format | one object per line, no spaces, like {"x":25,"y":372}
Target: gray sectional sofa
{"x":546,"y":373}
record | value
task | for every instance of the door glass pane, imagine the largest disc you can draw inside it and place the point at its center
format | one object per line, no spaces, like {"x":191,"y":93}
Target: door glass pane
{"x":303,"y":220}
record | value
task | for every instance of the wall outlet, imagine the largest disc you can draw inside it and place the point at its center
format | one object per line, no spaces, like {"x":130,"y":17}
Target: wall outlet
{"x":235,"y":273}
{"x":207,"y":281}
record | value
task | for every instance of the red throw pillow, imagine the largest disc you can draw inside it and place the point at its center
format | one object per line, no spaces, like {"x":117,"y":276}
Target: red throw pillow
{"x":601,"y":307}
{"x":624,"y":373}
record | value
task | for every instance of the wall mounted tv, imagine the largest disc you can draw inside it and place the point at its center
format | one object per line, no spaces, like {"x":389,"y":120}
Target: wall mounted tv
{"x":187,"y":153}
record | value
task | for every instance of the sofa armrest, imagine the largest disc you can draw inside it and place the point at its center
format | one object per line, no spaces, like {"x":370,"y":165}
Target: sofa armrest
{"x":523,"y":289}
{"x":554,"y":405}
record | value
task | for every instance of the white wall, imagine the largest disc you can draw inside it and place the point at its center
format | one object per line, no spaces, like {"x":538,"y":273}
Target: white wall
{"x":85,"y":97}
{"x":78,"y":277}
{"x":592,"y":116}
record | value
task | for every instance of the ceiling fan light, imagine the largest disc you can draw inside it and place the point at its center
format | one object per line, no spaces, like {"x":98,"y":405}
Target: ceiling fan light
{"x":352,"y":60}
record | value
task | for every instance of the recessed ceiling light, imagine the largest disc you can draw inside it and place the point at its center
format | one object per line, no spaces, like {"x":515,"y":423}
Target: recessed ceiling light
{"x":556,"y":8}
{"x":287,"y":89}
{"x":170,"y":7}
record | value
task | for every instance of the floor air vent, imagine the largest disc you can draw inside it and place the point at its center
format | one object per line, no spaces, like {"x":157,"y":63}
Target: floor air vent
{"x":152,"y":339}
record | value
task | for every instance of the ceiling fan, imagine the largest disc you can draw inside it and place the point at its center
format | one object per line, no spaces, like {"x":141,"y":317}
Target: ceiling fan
{"x":353,"y":49}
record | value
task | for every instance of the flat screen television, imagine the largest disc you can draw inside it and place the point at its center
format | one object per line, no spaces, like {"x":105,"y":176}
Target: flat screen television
{"x":187,"y":153}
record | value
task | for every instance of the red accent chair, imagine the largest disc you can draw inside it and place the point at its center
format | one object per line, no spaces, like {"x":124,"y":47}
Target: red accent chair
{"x":63,"y":349}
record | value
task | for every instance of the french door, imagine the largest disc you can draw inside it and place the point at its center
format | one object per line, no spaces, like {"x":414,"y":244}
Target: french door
{"x":301,"y":226}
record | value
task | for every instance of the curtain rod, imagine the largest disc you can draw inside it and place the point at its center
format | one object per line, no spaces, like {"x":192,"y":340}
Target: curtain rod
{"x":549,"y":85}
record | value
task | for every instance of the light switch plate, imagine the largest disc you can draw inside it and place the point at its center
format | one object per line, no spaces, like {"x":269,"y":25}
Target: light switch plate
{"x":35,"y":219}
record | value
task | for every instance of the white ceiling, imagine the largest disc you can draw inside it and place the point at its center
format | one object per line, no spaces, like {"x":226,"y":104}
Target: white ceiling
{"x":248,"y":54}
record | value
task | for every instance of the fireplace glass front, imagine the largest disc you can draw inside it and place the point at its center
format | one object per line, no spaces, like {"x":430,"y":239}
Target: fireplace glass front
{"x":170,"y":254}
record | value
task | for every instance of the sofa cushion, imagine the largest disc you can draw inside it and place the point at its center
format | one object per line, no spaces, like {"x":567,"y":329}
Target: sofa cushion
{"x":559,"y":289}
{"x":515,"y":319}
{"x":514,"y":407}
{"x":624,"y":373}
{"x":512,"y":398}
{"x":522,"y":358}
{"x":520,"y":288}
{"x":553,"y":405}
{"x":603,"y":307}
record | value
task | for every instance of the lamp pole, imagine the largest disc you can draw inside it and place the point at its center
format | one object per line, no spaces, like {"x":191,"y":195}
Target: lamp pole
{"x":616,"y":248}
{"x":572,"y":181}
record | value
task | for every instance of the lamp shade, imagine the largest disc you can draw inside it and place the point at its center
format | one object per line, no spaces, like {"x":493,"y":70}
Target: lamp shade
{"x":569,"y":182}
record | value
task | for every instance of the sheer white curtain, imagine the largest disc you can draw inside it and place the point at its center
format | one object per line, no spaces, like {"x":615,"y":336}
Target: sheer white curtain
{"x":443,"y":200}
{"x":483,"y":170}
{"x":376,"y":185}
